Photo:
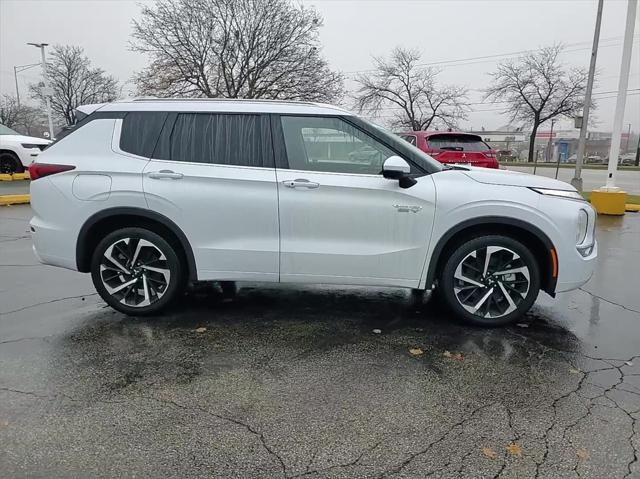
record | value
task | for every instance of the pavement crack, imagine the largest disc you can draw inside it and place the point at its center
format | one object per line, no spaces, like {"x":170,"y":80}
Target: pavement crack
{"x":609,"y":301}
{"x":247,"y":427}
{"x":442,"y":437}
{"x":47,"y":302}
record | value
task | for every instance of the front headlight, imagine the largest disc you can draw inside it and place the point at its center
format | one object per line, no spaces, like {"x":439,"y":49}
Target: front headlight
{"x":29,"y":146}
{"x":573,"y":195}
{"x":583,"y":223}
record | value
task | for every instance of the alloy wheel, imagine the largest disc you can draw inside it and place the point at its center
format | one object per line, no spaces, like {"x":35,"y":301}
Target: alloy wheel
{"x":135,"y":272}
{"x":490,"y":282}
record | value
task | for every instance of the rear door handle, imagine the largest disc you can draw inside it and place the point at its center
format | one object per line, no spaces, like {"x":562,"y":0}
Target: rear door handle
{"x":300,"y":183}
{"x":165,"y":174}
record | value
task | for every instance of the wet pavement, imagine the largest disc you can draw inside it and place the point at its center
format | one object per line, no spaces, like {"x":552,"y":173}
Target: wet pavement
{"x":293,"y":382}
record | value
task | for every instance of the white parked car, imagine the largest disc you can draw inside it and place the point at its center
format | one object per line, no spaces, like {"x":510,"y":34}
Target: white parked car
{"x":18,"y":151}
{"x":148,"y":195}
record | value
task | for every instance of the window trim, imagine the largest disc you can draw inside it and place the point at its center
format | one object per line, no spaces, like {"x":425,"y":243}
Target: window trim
{"x":268,"y":160}
{"x":280,"y":149}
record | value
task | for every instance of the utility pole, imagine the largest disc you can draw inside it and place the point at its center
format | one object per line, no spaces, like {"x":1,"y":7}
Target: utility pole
{"x":623,"y":83}
{"x":576,"y":181}
{"x":550,"y":145}
{"x":46,"y":91}
{"x":626,"y":143}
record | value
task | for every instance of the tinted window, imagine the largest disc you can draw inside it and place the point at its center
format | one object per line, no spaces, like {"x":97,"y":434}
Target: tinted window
{"x":457,"y":143}
{"x":331,"y":144}
{"x":140,"y":131}
{"x":221,"y":139}
{"x":410,"y":138}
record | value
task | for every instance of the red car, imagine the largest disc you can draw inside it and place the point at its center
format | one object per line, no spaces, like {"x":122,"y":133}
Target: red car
{"x":453,"y":147}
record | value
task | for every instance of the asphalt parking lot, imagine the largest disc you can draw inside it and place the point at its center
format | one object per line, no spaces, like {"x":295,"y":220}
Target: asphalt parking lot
{"x":294,"y":382}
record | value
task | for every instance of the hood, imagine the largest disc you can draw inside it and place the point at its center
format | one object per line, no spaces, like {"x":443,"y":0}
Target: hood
{"x":25,"y":139}
{"x":514,"y":178}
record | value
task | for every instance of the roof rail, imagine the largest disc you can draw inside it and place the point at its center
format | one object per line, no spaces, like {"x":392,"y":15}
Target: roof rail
{"x":248,"y":100}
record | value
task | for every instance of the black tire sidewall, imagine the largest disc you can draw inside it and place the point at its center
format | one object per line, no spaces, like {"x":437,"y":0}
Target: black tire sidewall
{"x":446,"y":280}
{"x":9,"y":156}
{"x":173,"y":261}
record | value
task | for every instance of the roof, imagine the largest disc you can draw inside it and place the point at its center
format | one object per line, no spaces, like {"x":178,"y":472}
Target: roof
{"x":435,"y":132}
{"x":228,"y":105}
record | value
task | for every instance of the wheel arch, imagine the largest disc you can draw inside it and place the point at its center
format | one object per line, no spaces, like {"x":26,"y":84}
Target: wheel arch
{"x":105,"y":221}
{"x":531,"y":236}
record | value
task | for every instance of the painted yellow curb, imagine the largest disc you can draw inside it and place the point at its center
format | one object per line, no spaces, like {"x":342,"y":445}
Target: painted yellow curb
{"x":14,"y":176}
{"x":14,"y":199}
{"x":632,"y":207}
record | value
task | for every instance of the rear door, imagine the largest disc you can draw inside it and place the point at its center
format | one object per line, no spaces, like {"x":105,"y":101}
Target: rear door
{"x":213,"y":175}
{"x":341,"y":221}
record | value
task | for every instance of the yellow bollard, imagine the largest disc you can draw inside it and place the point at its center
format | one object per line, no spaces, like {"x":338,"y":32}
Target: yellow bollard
{"x":608,"y":202}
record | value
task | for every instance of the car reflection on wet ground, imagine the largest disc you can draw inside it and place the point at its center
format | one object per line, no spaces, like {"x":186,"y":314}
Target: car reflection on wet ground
{"x":284,"y":381}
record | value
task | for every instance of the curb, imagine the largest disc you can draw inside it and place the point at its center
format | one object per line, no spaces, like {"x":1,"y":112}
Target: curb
{"x":632,"y":208}
{"x":14,"y":176}
{"x":7,"y":200}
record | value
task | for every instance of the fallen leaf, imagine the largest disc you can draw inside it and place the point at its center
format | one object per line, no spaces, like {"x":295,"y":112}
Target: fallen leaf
{"x":628,"y":363}
{"x":574,"y":371}
{"x":583,"y":454}
{"x":456,"y":356}
{"x":416,"y":352}
{"x":490,"y":453}
{"x":522,"y":325}
{"x":201,"y":330}
{"x":514,"y":449}
{"x":4,"y":423}
{"x":377,"y":331}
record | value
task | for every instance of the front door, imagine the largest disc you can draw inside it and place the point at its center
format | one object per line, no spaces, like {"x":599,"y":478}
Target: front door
{"x":213,"y":175}
{"x":340,"y":220}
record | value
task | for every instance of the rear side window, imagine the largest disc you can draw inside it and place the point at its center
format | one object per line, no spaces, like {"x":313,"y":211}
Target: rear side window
{"x":410,"y":138}
{"x":140,"y":132}
{"x":457,"y":143}
{"x":221,"y":139}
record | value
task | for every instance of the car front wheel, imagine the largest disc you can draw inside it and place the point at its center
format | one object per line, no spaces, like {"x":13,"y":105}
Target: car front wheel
{"x":136,"y":271}
{"x":490,"y":280}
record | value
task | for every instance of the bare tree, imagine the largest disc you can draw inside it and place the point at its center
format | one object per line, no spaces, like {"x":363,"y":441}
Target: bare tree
{"x":233,"y":49}
{"x":22,"y":118}
{"x":538,"y":87}
{"x":74,"y":82}
{"x":411,"y":91}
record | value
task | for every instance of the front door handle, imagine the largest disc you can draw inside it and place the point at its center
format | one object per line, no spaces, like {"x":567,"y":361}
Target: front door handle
{"x":165,"y":174}
{"x":300,"y":183}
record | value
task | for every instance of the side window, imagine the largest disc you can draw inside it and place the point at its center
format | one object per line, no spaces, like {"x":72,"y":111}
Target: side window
{"x":140,"y":131}
{"x":410,"y":138}
{"x":221,"y":139}
{"x":332,"y":145}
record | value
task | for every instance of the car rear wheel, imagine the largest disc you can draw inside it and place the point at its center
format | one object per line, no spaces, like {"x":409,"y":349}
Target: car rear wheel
{"x":10,"y":163}
{"x":136,"y":271}
{"x":490,"y":280}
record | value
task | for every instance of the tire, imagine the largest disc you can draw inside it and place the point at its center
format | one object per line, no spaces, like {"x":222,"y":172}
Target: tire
{"x":147,"y":290}
{"x":477,"y":293}
{"x":10,"y":163}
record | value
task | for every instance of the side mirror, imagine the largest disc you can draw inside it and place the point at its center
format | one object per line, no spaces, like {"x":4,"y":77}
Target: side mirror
{"x":395,"y":168}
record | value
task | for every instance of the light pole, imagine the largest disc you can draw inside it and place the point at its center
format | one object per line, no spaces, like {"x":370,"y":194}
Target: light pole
{"x":46,"y":91}
{"x":623,"y":84}
{"x":576,"y":181}
{"x":17,"y":69}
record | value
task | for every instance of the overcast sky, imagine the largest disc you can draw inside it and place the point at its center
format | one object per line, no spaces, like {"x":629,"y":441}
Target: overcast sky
{"x":356,"y":30}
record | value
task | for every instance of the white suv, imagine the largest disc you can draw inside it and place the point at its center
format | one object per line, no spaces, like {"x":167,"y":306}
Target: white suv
{"x":149,"y":195}
{"x":18,"y":151}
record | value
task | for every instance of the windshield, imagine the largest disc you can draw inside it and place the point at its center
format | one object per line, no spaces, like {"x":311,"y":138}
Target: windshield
{"x":419,"y":157}
{"x":4,"y":130}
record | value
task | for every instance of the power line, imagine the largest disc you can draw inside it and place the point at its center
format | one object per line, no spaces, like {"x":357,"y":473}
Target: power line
{"x":484,"y":58}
